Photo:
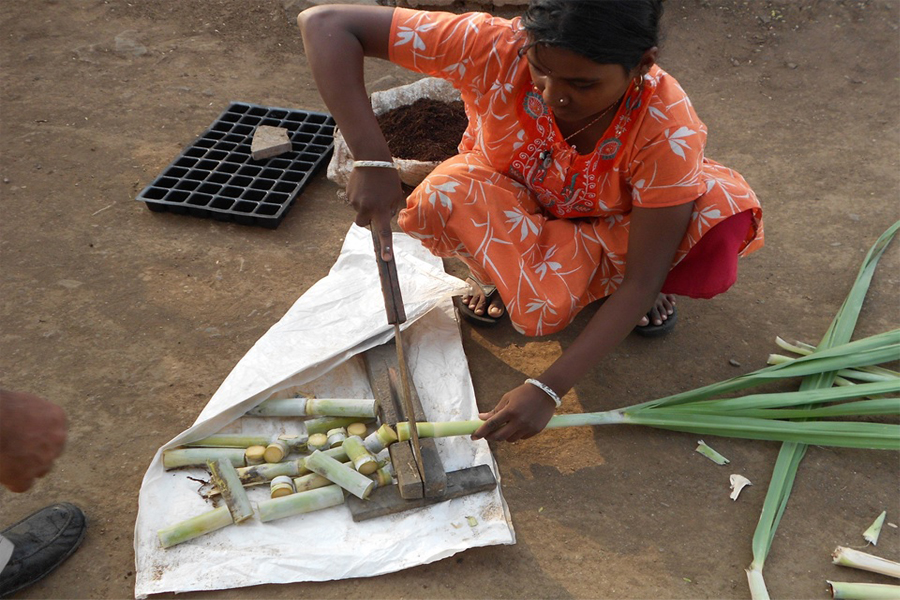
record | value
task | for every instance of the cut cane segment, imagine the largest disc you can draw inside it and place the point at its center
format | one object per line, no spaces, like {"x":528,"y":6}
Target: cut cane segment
{"x":356,"y":483}
{"x":363,"y":460}
{"x":303,"y":502}
{"x":255,"y":455}
{"x":194,"y":527}
{"x":324,"y":424}
{"x":317,"y":441}
{"x":380,"y":439}
{"x":848,"y":557}
{"x":359,"y":429}
{"x":198,"y":457}
{"x":310,"y":481}
{"x":281,"y":486}
{"x":336,"y":437}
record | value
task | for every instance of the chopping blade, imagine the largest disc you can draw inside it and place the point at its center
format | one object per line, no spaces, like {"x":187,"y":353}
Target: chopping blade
{"x":396,"y":314}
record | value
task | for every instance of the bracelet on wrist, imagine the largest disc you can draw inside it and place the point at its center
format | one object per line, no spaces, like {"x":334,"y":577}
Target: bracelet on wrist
{"x":380,"y":164}
{"x":546,"y":389}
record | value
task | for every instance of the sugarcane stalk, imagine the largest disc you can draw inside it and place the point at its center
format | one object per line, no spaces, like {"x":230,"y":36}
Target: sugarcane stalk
{"x":342,"y":407}
{"x":310,"y":481}
{"x":303,"y":407}
{"x":230,"y":440}
{"x":225,"y":478}
{"x":281,"y":407}
{"x":292,"y":468}
{"x":194,"y":527}
{"x":848,"y":557}
{"x":384,"y":476}
{"x":300,"y":503}
{"x":758,"y":589}
{"x":198,"y":457}
{"x":380,"y":439}
{"x":357,"y":484}
{"x":323,"y":424}
{"x":363,"y":460}
{"x":863,"y":591}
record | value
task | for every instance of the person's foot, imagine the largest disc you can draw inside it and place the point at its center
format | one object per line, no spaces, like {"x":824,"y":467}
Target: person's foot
{"x":42,"y":542}
{"x":662,"y":309}
{"x":661,"y":318}
{"x":482,"y":303}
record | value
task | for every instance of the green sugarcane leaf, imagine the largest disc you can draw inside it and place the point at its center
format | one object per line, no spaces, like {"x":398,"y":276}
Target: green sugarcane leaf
{"x":859,"y":408}
{"x":812,"y":396}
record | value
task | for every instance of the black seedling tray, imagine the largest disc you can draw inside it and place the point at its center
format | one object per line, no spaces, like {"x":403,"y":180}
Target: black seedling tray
{"x":216,"y":177}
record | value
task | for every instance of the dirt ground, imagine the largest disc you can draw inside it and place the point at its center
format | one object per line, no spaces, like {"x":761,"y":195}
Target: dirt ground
{"x":131,"y":319}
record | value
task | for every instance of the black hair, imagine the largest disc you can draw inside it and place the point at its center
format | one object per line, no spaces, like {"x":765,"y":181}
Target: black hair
{"x":605,"y":31}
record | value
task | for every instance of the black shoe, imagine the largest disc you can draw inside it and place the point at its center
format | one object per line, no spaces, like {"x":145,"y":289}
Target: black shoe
{"x":42,"y":542}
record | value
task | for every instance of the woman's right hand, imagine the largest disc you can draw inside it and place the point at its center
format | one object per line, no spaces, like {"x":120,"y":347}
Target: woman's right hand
{"x":376,"y":195}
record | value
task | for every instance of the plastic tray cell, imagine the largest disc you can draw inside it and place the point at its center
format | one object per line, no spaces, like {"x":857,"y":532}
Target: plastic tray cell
{"x":215,"y":176}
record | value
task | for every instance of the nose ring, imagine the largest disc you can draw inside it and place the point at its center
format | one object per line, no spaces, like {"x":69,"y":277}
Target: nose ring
{"x":561,"y":101}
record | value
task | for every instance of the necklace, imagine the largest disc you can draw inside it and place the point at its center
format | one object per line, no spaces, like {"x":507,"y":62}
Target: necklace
{"x":547,"y":155}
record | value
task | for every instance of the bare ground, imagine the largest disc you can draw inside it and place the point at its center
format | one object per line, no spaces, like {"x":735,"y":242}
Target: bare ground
{"x":131,"y":319}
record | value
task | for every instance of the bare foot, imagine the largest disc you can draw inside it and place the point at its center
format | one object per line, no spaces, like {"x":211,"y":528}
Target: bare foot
{"x":664,"y":306}
{"x":476,"y":301}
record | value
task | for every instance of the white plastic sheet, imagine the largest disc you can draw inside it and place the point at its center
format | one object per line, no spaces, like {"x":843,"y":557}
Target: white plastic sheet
{"x":314,"y":346}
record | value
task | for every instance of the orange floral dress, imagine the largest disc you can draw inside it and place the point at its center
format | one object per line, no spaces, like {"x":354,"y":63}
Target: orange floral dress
{"x":520,"y":206}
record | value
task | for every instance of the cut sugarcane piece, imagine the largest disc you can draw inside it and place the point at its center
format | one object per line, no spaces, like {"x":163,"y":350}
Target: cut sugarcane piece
{"x":362,"y":459}
{"x":336,"y":437}
{"x":310,"y":481}
{"x":276,"y":451}
{"x":303,"y":502}
{"x":323,"y":424}
{"x":230,"y":440}
{"x":292,"y":468}
{"x":194,"y":527}
{"x":342,"y":407}
{"x":848,"y":557}
{"x":871,"y":534}
{"x":225,"y":478}
{"x":198,"y":457}
{"x":383,"y":476}
{"x":863,"y":591}
{"x":254,"y":455}
{"x":308,"y":407}
{"x":380,"y":439}
{"x":711,"y":454}
{"x":257,"y":474}
{"x":281,"y":486}
{"x":357,"y":484}
{"x":282,"y":407}
{"x":359,"y":429}
{"x":317,"y":441}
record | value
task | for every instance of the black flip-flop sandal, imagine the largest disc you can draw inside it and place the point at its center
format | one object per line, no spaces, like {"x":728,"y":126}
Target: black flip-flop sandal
{"x":651,"y":331}
{"x":484,"y":320}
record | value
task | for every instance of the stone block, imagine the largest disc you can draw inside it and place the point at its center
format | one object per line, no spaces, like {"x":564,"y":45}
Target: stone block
{"x":269,"y":141}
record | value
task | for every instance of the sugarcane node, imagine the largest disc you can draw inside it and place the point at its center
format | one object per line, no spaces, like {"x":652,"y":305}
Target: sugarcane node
{"x":225,"y":478}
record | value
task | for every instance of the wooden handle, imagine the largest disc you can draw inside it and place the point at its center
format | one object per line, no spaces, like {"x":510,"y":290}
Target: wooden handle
{"x":390,"y":285}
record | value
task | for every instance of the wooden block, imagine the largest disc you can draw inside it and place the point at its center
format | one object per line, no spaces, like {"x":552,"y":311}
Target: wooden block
{"x":387,"y":500}
{"x":409,"y":482}
{"x":435,"y":475}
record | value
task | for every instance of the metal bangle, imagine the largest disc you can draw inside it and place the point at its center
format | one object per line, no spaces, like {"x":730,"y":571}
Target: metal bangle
{"x":546,"y":389}
{"x":382,"y":164}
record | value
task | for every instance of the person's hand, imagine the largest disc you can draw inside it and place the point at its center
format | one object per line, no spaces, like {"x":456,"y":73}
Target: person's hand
{"x":32,"y":435}
{"x":520,"y":414}
{"x":377,"y":195}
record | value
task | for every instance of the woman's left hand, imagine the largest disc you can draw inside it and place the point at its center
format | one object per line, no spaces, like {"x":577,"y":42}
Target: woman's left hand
{"x":520,"y":414}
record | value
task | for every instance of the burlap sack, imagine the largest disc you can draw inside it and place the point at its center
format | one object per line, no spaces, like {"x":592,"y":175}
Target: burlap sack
{"x":412,"y":172}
